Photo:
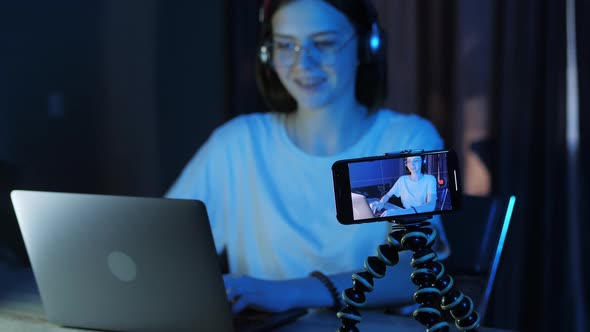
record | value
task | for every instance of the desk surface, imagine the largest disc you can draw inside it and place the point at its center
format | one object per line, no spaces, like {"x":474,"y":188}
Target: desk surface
{"x":21,"y":311}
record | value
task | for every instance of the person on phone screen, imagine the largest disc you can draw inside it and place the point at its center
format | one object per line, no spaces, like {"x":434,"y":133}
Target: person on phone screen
{"x":266,"y":177}
{"x":416,"y":190}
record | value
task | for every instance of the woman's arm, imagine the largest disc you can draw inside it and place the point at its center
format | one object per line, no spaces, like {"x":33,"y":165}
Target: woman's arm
{"x":393,"y":191}
{"x":387,"y":196}
{"x":394,"y":289}
{"x":430,"y":200}
{"x":429,"y":206}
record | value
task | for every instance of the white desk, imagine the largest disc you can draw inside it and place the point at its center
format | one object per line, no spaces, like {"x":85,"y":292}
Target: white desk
{"x":21,"y":311}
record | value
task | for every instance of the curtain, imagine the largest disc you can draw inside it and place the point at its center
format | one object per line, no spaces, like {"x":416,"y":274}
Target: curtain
{"x":536,"y":288}
{"x":583,"y":47}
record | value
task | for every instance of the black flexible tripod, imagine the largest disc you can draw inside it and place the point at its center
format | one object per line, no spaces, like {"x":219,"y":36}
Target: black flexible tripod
{"x":436,"y":289}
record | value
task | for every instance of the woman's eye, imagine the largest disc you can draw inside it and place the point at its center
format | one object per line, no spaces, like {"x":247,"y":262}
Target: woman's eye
{"x":325,"y":44}
{"x":284,"y":45}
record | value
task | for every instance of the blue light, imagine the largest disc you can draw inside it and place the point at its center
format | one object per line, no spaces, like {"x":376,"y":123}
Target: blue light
{"x":505,"y":224}
{"x":375,"y":42}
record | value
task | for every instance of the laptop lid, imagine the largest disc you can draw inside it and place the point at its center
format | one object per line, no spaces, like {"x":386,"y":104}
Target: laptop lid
{"x":360,"y":207}
{"x":123,"y":263}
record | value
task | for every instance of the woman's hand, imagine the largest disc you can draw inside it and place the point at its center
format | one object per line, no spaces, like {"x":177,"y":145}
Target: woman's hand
{"x":395,"y":212}
{"x":380,"y":204}
{"x":268,"y":295}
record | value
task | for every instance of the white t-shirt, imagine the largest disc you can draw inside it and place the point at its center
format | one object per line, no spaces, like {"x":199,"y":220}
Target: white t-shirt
{"x":414,"y":193}
{"x":271,"y":205}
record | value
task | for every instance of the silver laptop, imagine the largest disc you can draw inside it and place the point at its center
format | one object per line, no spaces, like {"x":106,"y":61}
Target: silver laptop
{"x":123,"y":263}
{"x":360,"y":207}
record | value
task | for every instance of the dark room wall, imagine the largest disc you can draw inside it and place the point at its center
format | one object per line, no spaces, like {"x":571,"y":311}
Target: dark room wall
{"x":164,"y":72}
{"x":192,"y":79}
{"x":49,"y":88}
{"x":105,"y":96}
{"x":49,"y":96}
{"x":108,"y":96}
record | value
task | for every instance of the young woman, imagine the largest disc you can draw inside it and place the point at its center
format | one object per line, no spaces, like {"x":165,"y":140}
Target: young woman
{"x":266,"y":177}
{"x":416,"y":190}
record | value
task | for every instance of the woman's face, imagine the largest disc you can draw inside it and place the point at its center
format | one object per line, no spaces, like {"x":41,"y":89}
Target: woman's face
{"x":414,"y":164}
{"x":314,"y":53}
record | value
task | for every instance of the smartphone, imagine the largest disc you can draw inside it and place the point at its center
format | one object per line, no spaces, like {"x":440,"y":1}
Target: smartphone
{"x":396,"y":187}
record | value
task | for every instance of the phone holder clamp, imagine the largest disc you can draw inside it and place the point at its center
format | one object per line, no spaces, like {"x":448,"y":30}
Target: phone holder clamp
{"x":403,"y":152}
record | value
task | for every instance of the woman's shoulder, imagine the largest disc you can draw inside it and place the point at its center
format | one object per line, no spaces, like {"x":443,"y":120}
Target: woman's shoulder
{"x":389,"y":116}
{"x":430,"y":177}
{"x":244,"y":121}
{"x":411,"y":130}
{"x":245,"y":124}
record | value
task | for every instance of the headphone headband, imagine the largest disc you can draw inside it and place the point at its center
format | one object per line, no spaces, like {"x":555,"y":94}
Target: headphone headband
{"x":369,"y":46}
{"x":262,"y":11}
{"x":423,"y":159}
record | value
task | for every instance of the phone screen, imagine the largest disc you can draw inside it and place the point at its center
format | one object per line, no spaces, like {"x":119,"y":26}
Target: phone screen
{"x":394,"y":187}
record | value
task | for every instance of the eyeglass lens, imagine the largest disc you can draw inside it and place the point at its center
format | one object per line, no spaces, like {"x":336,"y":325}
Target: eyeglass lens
{"x":323,"y":52}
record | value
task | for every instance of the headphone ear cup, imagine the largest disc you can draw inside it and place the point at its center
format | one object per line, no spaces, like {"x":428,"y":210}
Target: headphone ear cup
{"x":372,"y":43}
{"x":374,"y":39}
{"x":264,"y":53}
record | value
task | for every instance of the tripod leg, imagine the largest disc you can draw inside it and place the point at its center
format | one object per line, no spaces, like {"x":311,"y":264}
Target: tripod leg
{"x":435,"y":287}
{"x":440,"y":290}
{"x":459,"y":305}
{"x":419,"y":240}
{"x":363,"y":282}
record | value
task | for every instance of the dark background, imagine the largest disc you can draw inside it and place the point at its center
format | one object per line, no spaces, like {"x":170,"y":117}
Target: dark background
{"x":115,"y":96}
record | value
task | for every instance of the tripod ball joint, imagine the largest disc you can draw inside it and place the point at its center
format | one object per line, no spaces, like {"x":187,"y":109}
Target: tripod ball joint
{"x":363,"y":281}
{"x":424,"y":258}
{"x":354,"y":297}
{"x":468,"y":324}
{"x":348,"y":329}
{"x":388,"y":254}
{"x":462,"y":310}
{"x":423,"y":277}
{"x":445,"y":284}
{"x":414,"y":240}
{"x":439,"y":327}
{"x":375,"y":267}
{"x":438,"y":268}
{"x":394,"y":239}
{"x":427,"y":296}
{"x":431,"y":318}
{"x":349,"y":317}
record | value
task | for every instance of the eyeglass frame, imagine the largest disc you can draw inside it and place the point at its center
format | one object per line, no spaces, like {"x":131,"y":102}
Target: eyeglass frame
{"x":266,"y":51}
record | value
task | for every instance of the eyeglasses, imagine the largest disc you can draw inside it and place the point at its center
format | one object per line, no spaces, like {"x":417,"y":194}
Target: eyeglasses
{"x":286,"y":52}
